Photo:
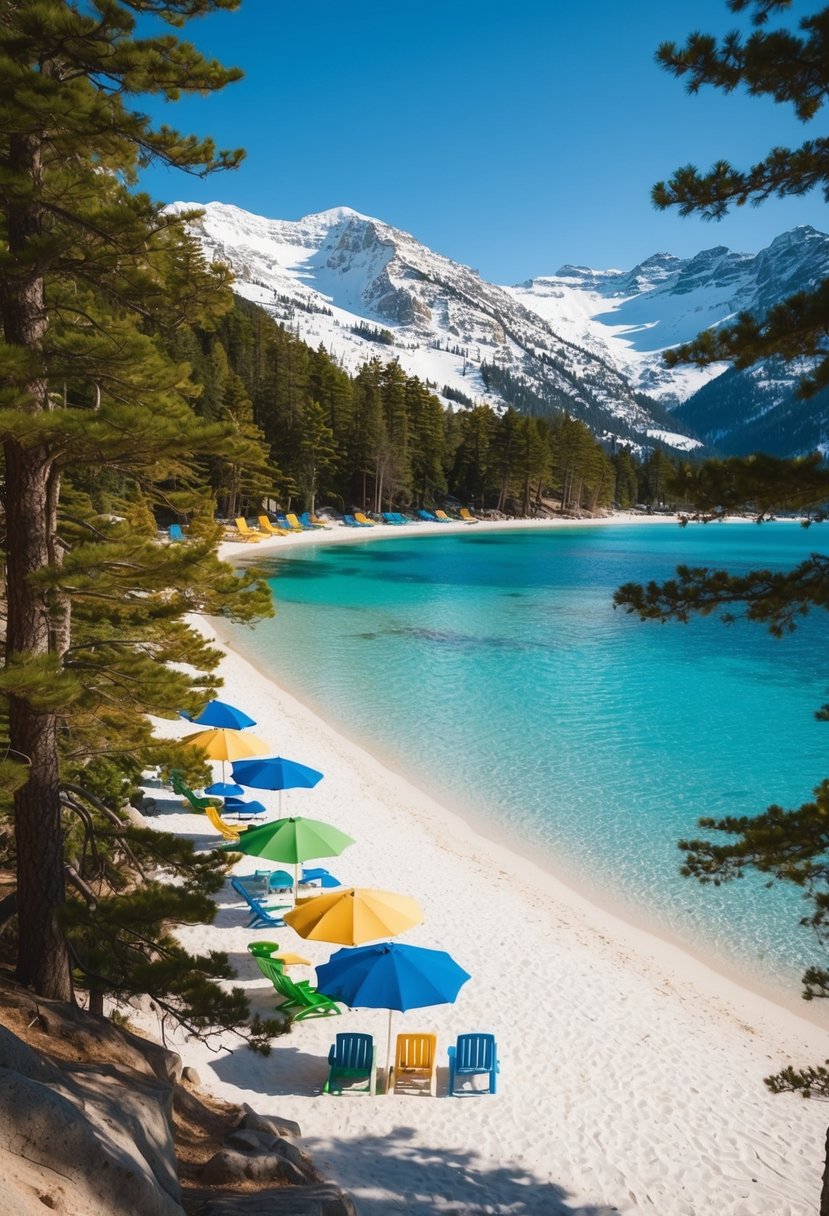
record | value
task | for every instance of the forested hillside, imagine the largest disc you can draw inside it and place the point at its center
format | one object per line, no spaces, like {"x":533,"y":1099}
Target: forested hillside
{"x":382,"y":439}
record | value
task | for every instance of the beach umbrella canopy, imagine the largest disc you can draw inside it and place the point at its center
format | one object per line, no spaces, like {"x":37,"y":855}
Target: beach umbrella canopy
{"x":224,"y":743}
{"x":388,"y":975}
{"x":276,"y":773}
{"x":354,"y":916}
{"x":293,"y":839}
{"x":219,"y":713}
{"x":224,"y":789}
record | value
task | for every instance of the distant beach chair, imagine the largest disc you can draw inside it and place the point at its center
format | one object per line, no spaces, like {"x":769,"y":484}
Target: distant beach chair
{"x":351,"y":522}
{"x":293,"y":523}
{"x":175,"y":533}
{"x":270,"y":529}
{"x":427,"y":515}
{"x":415,"y":1063}
{"x":310,"y":878}
{"x":285,"y":522}
{"x":308,"y":521}
{"x":268,"y":958}
{"x":301,"y":1000}
{"x":391,"y":518}
{"x":443,"y":518}
{"x":230,"y":831}
{"x":351,"y":1060}
{"x":179,"y":786}
{"x":473,"y":1055}
{"x":245,"y":531}
{"x":244,"y":808}
{"x":363,"y":519}
{"x":467,"y":516}
{"x":258,"y":913}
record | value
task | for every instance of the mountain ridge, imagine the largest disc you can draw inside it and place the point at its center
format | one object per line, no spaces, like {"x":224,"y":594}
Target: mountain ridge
{"x":582,"y":340}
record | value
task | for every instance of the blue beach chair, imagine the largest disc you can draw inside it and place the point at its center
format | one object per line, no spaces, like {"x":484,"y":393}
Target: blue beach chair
{"x":259,"y":915}
{"x":473,"y":1055}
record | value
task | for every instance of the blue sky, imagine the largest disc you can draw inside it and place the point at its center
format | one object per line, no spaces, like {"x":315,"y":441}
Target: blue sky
{"x":512,"y":137}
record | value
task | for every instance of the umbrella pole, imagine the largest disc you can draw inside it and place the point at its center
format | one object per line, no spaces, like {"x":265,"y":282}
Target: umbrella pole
{"x":388,"y":1056}
{"x":296,"y":881}
{"x":280,"y":804}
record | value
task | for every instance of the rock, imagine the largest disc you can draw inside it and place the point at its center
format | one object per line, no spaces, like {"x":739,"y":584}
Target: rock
{"x":100,"y":1176}
{"x":274,"y":1124}
{"x":321,"y":1200}
{"x":252,"y":1142}
{"x":190,"y":1075}
{"x":231,"y":1166}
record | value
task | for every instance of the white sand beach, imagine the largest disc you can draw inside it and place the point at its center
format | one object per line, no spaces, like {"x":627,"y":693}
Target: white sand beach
{"x":631,"y":1074}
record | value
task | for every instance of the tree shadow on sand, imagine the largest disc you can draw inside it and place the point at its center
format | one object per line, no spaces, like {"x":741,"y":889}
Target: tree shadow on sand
{"x":287,"y":1070}
{"x":425,"y":1181}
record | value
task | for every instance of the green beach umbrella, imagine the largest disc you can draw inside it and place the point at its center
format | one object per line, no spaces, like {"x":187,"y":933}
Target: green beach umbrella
{"x":292,"y":840}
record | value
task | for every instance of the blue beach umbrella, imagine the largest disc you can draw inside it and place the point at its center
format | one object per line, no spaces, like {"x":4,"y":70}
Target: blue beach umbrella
{"x":225,"y":789}
{"x":275,"y":773}
{"x":388,"y":975}
{"x":219,"y":713}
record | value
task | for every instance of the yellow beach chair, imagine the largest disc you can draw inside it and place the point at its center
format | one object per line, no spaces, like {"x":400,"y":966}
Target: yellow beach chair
{"x":467,"y":516}
{"x":228,"y":830}
{"x":270,"y":529}
{"x":364,"y":519}
{"x":415,"y":1063}
{"x":245,"y":530}
{"x":292,"y":522}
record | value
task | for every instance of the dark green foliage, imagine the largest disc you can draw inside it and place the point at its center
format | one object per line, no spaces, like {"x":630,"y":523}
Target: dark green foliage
{"x":103,"y":301}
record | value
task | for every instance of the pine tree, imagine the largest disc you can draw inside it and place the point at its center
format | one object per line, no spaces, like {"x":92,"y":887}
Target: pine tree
{"x":789,"y":846}
{"x":83,"y":385}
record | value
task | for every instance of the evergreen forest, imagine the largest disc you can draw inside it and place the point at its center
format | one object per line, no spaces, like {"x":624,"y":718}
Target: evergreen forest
{"x":382,"y":440}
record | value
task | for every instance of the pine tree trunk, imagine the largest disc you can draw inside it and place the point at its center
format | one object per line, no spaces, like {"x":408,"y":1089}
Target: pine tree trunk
{"x":36,"y":625}
{"x":43,"y":961}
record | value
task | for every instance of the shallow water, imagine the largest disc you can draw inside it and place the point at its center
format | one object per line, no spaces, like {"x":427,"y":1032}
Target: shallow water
{"x":493,"y":668}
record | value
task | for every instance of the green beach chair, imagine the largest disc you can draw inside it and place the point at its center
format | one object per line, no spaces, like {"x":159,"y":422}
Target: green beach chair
{"x":352,"y":1060}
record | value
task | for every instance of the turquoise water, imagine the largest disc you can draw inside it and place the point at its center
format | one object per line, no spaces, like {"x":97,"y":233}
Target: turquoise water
{"x":494,"y":669}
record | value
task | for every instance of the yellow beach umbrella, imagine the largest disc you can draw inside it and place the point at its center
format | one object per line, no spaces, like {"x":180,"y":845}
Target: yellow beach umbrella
{"x":354,"y":916}
{"x":223,"y":743}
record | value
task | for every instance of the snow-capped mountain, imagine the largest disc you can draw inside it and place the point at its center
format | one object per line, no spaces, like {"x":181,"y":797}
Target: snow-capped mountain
{"x":632,"y":317}
{"x":588,"y":341}
{"x":365,"y":289}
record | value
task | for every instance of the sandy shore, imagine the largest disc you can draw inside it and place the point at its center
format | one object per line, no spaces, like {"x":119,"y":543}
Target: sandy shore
{"x":631,"y":1074}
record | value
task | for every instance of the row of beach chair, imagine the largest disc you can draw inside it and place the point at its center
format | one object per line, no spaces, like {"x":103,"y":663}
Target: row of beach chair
{"x":352,"y":1063}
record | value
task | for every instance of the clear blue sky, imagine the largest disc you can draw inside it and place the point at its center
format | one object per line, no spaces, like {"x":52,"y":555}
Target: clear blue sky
{"x":511,"y":136}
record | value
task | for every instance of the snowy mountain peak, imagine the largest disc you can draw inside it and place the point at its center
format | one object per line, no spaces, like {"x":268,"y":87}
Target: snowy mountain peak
{"x":585,"y":340}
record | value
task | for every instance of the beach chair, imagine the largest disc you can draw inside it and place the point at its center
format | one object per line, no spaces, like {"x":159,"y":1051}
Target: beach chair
{"x":312,"y":521}
{"x":391,"y":518}
{"x":270,"y":961}
{"x":245,"y":808}
{"x":180,"y":787}
{"x":258,"y":914}
{"x":467,"y":516}
{"x":415,"y":1064}
{"x":473,"y":1055}
{"x":352,"y":1060}
{"x":175,"y":533}
{"x":294,"y":524}
{"x":230,"y":831}
{"x":351,"y":522}
{"x":317,"y":875}
{"x":270,"y":529}
{"x":245,"y":531}
{"x":427,"y":515}
{"x":285,"y":522}
{"x":301,"y":1000}
{"x":364,"y":519}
